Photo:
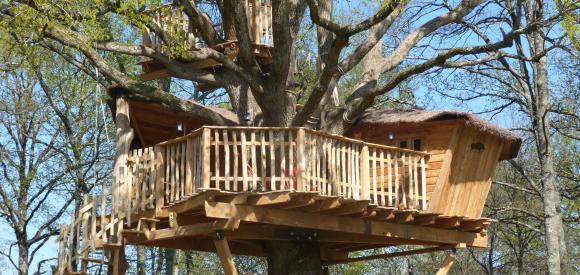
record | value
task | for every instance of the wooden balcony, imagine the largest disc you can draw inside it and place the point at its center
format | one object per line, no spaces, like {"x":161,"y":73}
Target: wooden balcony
{"x":265,"y":184}
{"x":175,"y":22}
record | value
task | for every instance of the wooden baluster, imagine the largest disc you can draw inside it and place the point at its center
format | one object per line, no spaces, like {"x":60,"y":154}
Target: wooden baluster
{"x":152,"y":177}
{"x":272,"y":145}
{"x":423,"y":184}
{"x":389,"y":180}
{"x":334,"y":169}
{"x":283,"y":170}
{"x":182,"y":162}
{"x":396,"y":191}
{"x":256,"y":21}
{"x":206,"y":170}
{"x":263,"y":158}
{"x":93,"y":223}
{"x":167,"y":173}
{"x":411,"y":183}
{"x":189,"y":164}
{"x":253,"y":160}
{"x":266,"y":23}
{"x":375,"y":190}
{"x":301,"y":159}
{"x":244,"y":162}
{"x":382,"y":185}
{"x":85,"y":233}
{"x":160,"y":188}
{"x":291,"y":160}
{"x":174,"y":172}
{"x":325,"y":189}
{"x":236,"y":159}
{"x":217,"y":157}
{"x":416,"y":181}
{"x":103,"y":210}
{"x":226,"y":160}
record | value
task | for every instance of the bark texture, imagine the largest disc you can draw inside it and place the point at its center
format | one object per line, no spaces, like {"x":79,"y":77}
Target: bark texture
{"x":293,"y":257}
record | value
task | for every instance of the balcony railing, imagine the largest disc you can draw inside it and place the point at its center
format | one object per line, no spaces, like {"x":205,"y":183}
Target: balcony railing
{"x":244,"y":159}
{"x":175,"y":22}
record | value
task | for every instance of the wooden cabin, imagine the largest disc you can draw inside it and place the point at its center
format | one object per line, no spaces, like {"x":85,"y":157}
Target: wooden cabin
{"x":176,"y":23}
{"x":416,"y":178}
{"x":463,"y":152}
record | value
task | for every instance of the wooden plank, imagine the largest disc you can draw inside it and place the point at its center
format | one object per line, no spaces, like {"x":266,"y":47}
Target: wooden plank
{"x":301,"y":159}
{"x":423,"y":185}
{"x":244,"y":161}
{"x":445,"y":170}
{"x":159,"y":180}
{"x":225,"y":255}
{"x":253,"y":160}
{"x":341,"y":224}
{"x":206,"y":170}
{"x":236,"y":159}
{"x":189,"y":172}
{"x":389,"y":255}
{"x":216,"y":148}
{"x":226,"y":160}
{"x":263,"y":160}
{"x":272,"y":145}
{"x":446,"y":265}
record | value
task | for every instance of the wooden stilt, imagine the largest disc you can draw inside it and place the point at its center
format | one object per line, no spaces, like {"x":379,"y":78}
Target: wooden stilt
{"x":223,"y":251}
{"x":447,"y":264}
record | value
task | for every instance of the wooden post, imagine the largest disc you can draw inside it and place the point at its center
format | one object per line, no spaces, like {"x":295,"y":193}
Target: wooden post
{"x":223,"y":251}
{"x":447,"y":264}
{"x":206,"y":172}
{"x":364,"y":173}
{"x":159,"y":179}
{"x":256,"y":22}
{"x":300,"y":159}
{"x":190,"y":151}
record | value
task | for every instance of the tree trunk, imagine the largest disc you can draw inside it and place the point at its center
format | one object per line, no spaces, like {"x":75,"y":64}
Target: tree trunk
{"x":169,"y":261}
{"x":555,"y":242}
{"x":141,"y":261}
{"x":23,"y":258}
{"x":293,"y":257}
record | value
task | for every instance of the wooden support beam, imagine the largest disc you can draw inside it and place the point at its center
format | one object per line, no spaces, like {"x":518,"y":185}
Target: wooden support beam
{"x":447,"y":264}
{"x":389,"y":255}
{"x":225,"y":255}
{"x":342,"y":224}
{"x":183,"y":231}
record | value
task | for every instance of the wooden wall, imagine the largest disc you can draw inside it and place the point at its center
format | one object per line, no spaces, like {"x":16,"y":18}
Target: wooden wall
{"x":465,"y":189}
{"x":458,"y":177}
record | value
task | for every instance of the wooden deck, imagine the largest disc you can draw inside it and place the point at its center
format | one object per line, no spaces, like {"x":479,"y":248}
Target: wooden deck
{"x":252,"y":184}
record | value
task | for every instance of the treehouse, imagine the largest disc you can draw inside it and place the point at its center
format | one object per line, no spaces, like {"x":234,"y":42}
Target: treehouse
{"x":415,"y":178}
{"x":173,"y":21}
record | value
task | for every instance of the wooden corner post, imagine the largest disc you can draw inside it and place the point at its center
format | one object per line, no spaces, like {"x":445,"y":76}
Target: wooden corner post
{"x":223,"y":250}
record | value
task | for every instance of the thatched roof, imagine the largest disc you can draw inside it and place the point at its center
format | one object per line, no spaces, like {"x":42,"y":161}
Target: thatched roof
{"x":375,"y":117}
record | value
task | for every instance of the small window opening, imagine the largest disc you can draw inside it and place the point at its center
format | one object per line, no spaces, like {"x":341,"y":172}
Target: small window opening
{"x":417,"y":144}
{"x":403,"y":144}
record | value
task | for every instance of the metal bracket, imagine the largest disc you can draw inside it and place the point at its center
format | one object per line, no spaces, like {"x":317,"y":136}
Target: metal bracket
{"x":304,"y":236}
{"x":219,"y":235}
